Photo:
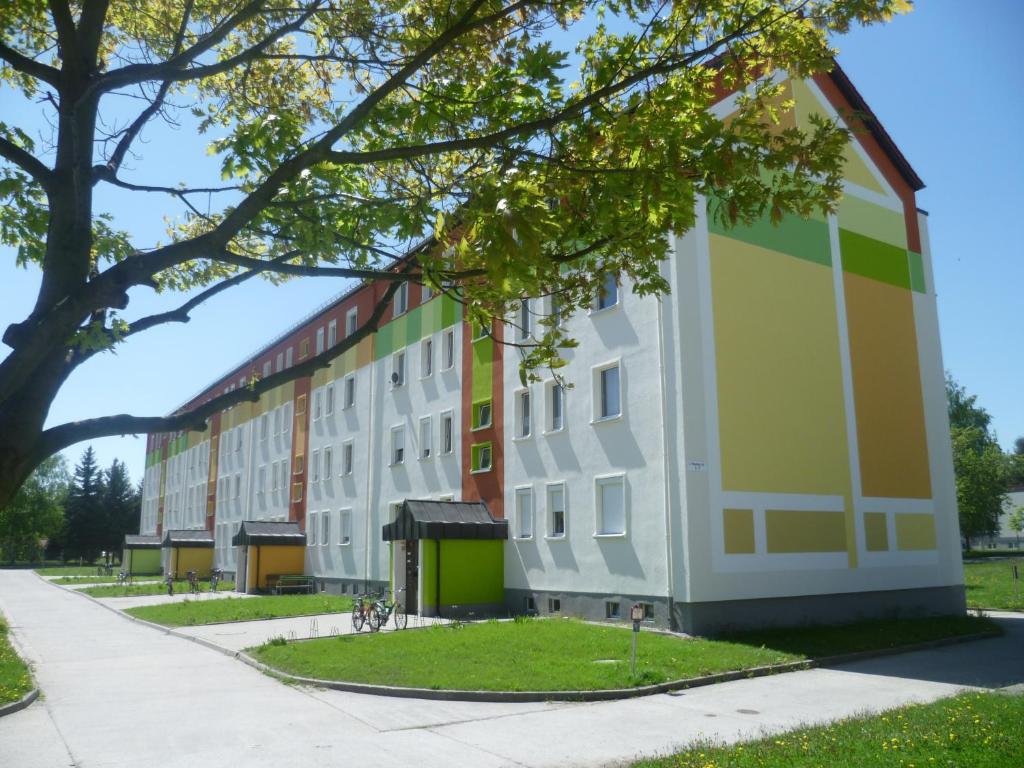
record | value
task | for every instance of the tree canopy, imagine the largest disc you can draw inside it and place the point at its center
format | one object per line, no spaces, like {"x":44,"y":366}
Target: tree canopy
{"x":36,"y":512}
{"x":539,"y":144}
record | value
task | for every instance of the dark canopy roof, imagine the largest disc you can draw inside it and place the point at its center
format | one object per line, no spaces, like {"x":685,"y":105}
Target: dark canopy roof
{"x":141,"y":542}
{"x":200,"y":539}
{"x":425,"y":519}
{"x":262,"y":533}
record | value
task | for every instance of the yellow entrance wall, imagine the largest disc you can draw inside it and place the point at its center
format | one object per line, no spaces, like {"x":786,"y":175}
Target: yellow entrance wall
{"x":185,"y":559}
{"x":274,"y":561}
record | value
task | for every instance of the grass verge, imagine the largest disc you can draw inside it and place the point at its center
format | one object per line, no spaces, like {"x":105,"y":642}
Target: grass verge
{"x":991,"y":585}
{"x":980,"y":730}
{"x":241,"y":609}
{"x":73,"y":580}
{"x":154,"y":588}
{"x":68,"y":570}
{"x":567,"y":655}
{"x":15,"y":681}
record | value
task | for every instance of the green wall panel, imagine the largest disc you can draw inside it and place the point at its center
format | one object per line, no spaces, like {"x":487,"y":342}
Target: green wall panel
{"x":472,"y":571}
{"x":874,"y":259}
{"x":917,"y":281}
{"x":806,"y":239}
{"x":415,"y":324}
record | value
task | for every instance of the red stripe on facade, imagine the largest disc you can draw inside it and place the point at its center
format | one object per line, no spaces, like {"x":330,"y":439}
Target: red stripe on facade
{"x":300,"y":448}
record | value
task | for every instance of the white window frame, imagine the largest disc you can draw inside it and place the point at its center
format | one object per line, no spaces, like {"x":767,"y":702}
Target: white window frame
{"x":478,"y":408}
{"x":400,"y":303}
{"x":524,"y":316}
{"x":289,"y":356}
{"x":261,"y":480}
{"x":312,"y":529}
{"x":266,"y":369}
{"x":427,"y":357}
{"x":345,"y":527}
{"x":598,"y":380}
{"x":426,"y":293}
{"x":279,"y":362}
{"x":601,"y":304}
{"x":348,"y":457}
{"x":549,"y":490}
{"x":320,"y":340}
{"x":332,"y":333}
{"x":277,"y":420}
{"x":447,"y":417}
{"x":524,"y":523}
{"x":550,"y":387}
{"x":600,"y":529}
{"x":349,"y":391}
{"x":325,"y":528}
{"x":396,"y":453}
{"x":523,"y":413}
{"x":314,"y":466}
{"x":351,"y":321}
{"x":328,"y":461}
{"x":286,"y":419}
{"x":329,"y":399}
{"x":264,"y":427}
{"x":426,"y":437}
{"x":318,"y":404}
{"x":398,"y":369}
{"x":448,"y":350}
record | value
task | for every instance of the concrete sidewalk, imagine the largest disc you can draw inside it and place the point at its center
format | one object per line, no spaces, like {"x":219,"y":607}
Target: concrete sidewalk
{"x":117,"y":693}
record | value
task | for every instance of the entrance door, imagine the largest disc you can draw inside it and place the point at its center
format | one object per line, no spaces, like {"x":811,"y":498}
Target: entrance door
{"x":412,"y":570}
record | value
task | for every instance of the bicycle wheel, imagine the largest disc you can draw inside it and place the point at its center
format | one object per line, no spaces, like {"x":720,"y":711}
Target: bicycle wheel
{"x":358,"y":618}
{"x":401,"y":618}
{"x":374,"y":619}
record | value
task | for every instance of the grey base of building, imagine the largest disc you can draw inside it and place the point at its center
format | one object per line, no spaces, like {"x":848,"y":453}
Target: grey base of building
{"x":589,"y":606}
{"x":333,"y":586}
{"x":842,"y":608}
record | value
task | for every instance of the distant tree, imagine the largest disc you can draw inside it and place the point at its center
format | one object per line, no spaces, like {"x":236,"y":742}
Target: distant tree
{"x":1017,"y":463}
{"x":1016,"y":522}
{"x":120,"y":506}
{"x":982,"y":469}
{"x":84,"y":524}
{"x":36,"y":512}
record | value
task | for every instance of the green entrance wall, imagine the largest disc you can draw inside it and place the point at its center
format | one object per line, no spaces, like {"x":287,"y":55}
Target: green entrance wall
{"x":140,"y":561}
{"x":472,"y":572}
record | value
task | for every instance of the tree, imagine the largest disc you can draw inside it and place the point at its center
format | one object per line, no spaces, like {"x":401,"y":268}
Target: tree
{"x":980,"y":466}
{"x":1017,"y":464}
{"x":36,"y":512}
{"x":1016,"y":522}
{"x":84,"y":524}
{"x":120,"y":504}
{"x":347,"y":130}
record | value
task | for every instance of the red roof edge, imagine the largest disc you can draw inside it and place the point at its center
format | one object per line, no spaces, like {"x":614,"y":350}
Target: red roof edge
{"x":876,"y":129}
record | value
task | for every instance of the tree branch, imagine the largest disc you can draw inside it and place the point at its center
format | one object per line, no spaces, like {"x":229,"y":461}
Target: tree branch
{"x":27,"y":162}
{"x":22,"y":63}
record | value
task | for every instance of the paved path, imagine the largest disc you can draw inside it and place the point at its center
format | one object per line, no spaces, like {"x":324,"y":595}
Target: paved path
{"x":119,"y":694}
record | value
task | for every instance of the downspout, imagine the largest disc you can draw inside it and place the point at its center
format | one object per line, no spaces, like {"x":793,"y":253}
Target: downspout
{"x":369,"y":478}
{"x":665,"y":443}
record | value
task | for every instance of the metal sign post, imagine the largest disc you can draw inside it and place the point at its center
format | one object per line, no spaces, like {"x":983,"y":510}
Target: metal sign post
{"x":637,"y":614}
{"x":1016,"y":578}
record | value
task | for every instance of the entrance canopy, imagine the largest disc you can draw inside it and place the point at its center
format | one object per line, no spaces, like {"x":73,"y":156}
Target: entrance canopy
{"x":202,"y":539}
{"x":141,"y":542}
{"x":426,"y":519}
{"x":258,"y":533}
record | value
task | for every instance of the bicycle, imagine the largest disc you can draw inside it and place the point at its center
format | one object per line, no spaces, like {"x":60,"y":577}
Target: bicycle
{"x":193,"y":582}
{"x":383,"y":609}
{"x":124,"y":578}
{"x":169,"y":581}
{"x":360,"y":611}
{"x":104,"y":570}
{"x":216,"y":575}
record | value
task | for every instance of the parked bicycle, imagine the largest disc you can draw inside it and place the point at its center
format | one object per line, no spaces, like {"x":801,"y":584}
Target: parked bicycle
{"x":169,"y":581}
{"x":216,"y":576}
{"x":383,"y":609}
{"x":104,"y":570}
{"x":361,"y":611}
{"x":124,"y":578}
{"x":193,"y":582}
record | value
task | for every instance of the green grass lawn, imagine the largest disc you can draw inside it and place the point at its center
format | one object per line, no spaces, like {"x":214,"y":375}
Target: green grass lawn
{"x":73,"y":580}
{"x":565,"y":654}
{"x":69,"y":570}
{"x":154,"y":588}
{"x":988,"y":553}
{"x":14,"y":678}
{"x":241,"y":609}
{"x":974,"y":730}
{"x":990,"y":585}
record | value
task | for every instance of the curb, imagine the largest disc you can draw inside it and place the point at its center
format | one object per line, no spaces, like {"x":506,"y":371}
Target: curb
{"x":17,"y":706}
{"x":610,"y":694}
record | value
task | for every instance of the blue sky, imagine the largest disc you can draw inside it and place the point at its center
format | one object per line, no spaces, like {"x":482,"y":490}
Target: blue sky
{"x":947,"y":82}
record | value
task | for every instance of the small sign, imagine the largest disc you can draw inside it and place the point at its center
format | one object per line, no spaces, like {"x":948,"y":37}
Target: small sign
{"x":636,"y":613}
{"x":697,"y":466}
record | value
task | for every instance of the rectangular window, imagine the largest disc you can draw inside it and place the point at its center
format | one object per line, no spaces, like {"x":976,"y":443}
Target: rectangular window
{"x":611,"y":506}
{"x":345,"y":527}
{"x":277,"y":422}
{"x":351,"y":321}
{"x":426,"y":357}
{"x":311,"y":529}
{"x":609,"y":404}
{"x":264,"y":426}
{"x":525,"y":320}
{"x":319,"y":339}
{"x":296,"y":492}
{"x":398,"y":369}
{"x":332,"y":333}
{"x":449,"y":349}
{"x":557,"y":311}
{"x":347,"y":457}
{"x":328,"y":461}
{"x":318,"y":404}
{"x":426,"y":433}
{"x":300,"y":464}
{"x":274,"y":475}
{"x":523,"y":415}
{"x":481,"y":457}
{"x":238,"y":486}
{"x":554,"y":605}
{"x":300,"y":405}
{"x":261,"y":480}
{"x":314,"y":467}
{"x":238,"y":439}
{"x":325,"y":528}
{"x":287,"y":416}
{"x":608,"y":293}
{"x":401,"y":301}
{"x":397,"y":445}
{"x":288,"y":358}
{"x":279,"y":363}
{"x":482,"y":415}
{"x":266,"y":369}
{"x":328,"y":399}
{"x":556,"y":406}
{"x":350,"y":391}
{"x":426,"y":293}
{"x":480,"y":331}
{"x":556,"y":511}
{"x":303,"y":349}
{"x":447,"y":432}
{"x":524,"y":513}
{"x":611,"y":609}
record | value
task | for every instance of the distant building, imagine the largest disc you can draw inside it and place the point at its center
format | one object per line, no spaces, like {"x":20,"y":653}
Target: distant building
{"x":766,"y":444}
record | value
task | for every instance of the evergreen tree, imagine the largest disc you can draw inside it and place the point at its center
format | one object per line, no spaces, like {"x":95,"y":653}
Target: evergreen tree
{"x":84,"y":523}
{"x":121,"y":506}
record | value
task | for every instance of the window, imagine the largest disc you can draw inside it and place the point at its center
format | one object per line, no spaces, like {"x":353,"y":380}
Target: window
{"x":303,"y":349}
{"x":319,"y":339}
{"x":266,"y":369}
{"x":447,"y":432}
{"x":328,"y":399}
{"x":426,"y":433}
{"x":611,"y":506}
{"x":523,"y":417}
{"x":398,"y":369}
{"x":397,"y":445}
{"x":611,"y":609}
{"x":328,"y":454}
{"x":311,"y":529}
{"x":300,"y":405}
{"x":426,"y":357}
{"x":350,"y":391}
{"x":264,"y":426}
{"x":274,"y":476}
{"x":345,"y":526}
{"x":351,"y":321}
{"x":296,"y":492}
{"x":648,"y":611}
{"x":261,"y":480}
{"x":426,"y":293}
{"x":314,"y":467}
{"x":287,"y":416}
{"x":325,"y":528}
{"x":554,"y":605}
{"x":300,"y":464}
{"x":608,"y":293}
{"x":401,"y":300}
{"x":238,"y":486}
{"x":524,"y":513}
{"x":288,"y":358}
{"x":480,"y":332}
{"x":556,"y":406}
{"x":525,"y":318}
{"x":277,"y":422}
{"x":482,"y":414}
{"x":347,"y":457}
{"x":279,"y":363}
{"x":529,"y":605}
{"x":556,"y":511}
{"x":481,"y":457}
{"x":318,"y":404}
{"x":608,"y":392}
{"x":332,"y":333}
{"x":449,"y":350}
{"x":238,"y":439}
{"x":557,"y":311}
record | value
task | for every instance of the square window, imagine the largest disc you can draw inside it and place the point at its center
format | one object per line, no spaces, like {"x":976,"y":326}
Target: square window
{"x":608,"y":292}
{"x":611,"y":506}
{"x":351,"y":321}
{"x":397,"y":445}
{"x":482,"y":415}
{"x":481,"y":457}
{"x":426,"y":433}
{"x":480,"y":331}
{"x":554,"y":605}
{"x":347,"y":457}
{"x":609,"y":393}
{"x":556,"y":510}
{"x":524,"y":513}
{"x":398,"y":369}
{"x":611,"y":609}
{"x":648,"y":611}
{"x":426,"y":357}
{"x":523,"y":414}
{"x":449,"y":349}
{"x":401,"y":300}
{"x":447,"y":432}
{"x":350,"y":390}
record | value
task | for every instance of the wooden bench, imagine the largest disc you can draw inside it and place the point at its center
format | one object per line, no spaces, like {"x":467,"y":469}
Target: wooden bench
{"x":292,"y":583}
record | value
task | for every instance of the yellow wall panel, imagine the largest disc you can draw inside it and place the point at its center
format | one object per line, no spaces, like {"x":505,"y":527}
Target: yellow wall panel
{"x":739,"y":531}
{"x":793,"y":531}
{"x":887,"y":390}
{"x":876,"y":532}
{"x":277,"y":561}
{"x":782,"y":417}
{"x":915,"y":531}
{"x":870,"y":220}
